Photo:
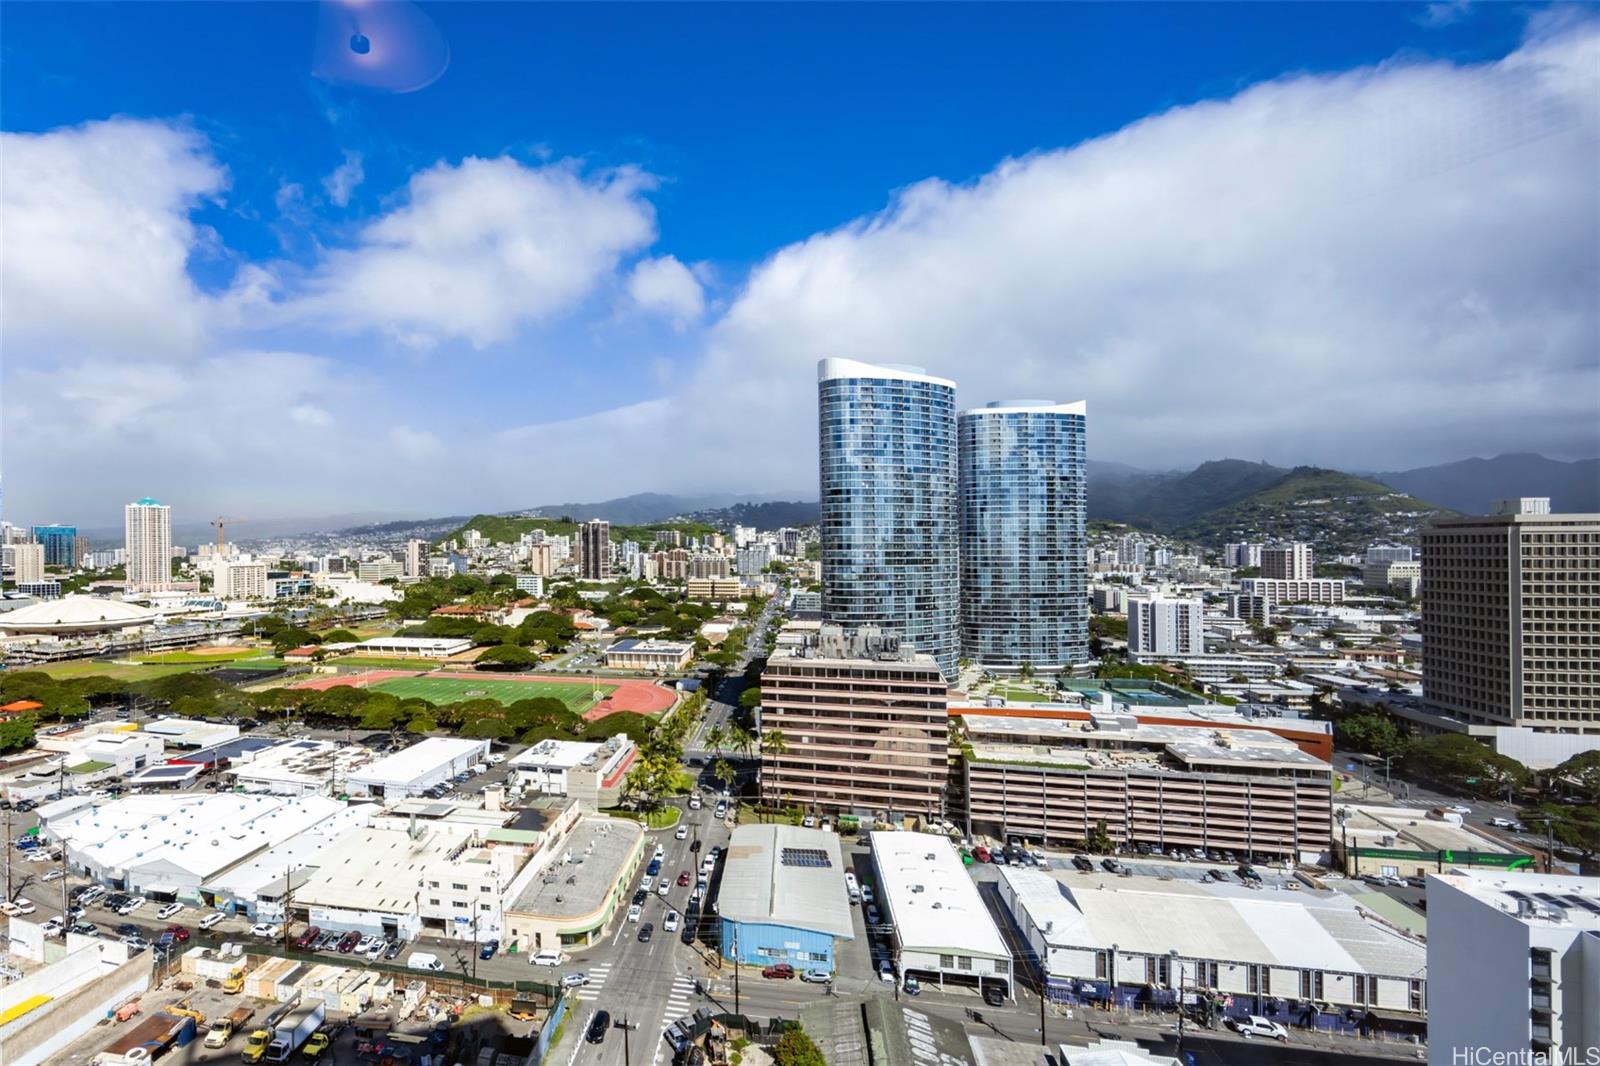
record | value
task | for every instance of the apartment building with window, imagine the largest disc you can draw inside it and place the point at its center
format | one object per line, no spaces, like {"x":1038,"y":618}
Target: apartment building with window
{"x":1287,"y":562}
{"x":1190,"y":785}
{"x":1165,"y":625}
{"x":865,"y":725}
{"x":1511,"y":618}
{"x":1276,"y":590}
{"x":1515,"y":965}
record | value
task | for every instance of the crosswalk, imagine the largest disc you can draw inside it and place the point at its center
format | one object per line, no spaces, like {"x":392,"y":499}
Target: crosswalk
{"x":597,"y":980}
{"x":680,"y":1000}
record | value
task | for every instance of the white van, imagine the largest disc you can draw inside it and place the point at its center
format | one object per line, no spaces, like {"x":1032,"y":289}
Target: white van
{"x":422,"y":960}
{"x":852,"y":886}
{"x":545,"y":958}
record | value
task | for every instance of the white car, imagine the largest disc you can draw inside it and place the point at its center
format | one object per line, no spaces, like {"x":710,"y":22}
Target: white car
{"x":547,"y":958}
{"x":574,"y":980}
{"x":648,"y":883}
{"x":211,"y":919}
{"x":866,"y":894}
{"x":1255,"y":1025}
{"x":266,"y":929}
{"x":662,"y":891}
{"x":1459,"y":809}
{"x":634,"y":912}
{"x":885,"y":971}
{"x":169,"y":910}
{"x":54,"y":927}
{"x":671,"y":922}
{"x":9,"y":909}
{"x":682,"y":833}
{"x":363,"y":945}
{"x":52,"y":875}
{"x":132,"y":905}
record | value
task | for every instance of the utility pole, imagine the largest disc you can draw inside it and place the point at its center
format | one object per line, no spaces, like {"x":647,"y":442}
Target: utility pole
{"x":626,"y":1027}
{"x":1044,"y":1040}
{"x":288,"y":892}
{"x":9,"y":851}
{"x":735,"y":968}
{"x":1177,"y":1052}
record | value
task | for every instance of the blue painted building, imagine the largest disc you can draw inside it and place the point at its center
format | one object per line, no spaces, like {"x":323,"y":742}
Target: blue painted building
{"x":783,"y":897}
{"x":58,"y":544}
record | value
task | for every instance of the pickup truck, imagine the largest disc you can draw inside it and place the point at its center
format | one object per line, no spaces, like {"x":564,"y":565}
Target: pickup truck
{"x":223,"y":1028}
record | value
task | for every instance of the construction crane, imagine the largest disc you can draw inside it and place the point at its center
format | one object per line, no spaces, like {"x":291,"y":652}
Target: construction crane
{"x":222,"y":522}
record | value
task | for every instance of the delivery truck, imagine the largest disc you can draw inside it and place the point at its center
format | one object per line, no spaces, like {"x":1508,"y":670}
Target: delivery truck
{"x":293,"y":1030}
{"x":223,"y":1028}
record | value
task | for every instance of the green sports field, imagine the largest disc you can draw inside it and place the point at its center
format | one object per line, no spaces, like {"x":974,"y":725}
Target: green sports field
{"x":578,"y":695}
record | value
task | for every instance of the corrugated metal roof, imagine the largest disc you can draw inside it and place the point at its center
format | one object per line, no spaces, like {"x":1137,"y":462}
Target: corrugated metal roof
{"x":759,"y":887}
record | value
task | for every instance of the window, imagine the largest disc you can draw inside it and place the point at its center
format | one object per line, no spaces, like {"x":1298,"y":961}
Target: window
{"x":485,"y":907}
{"x":947,"y":962}
{"x":486,"y":888}
{"x":459,"y":887}
{"x":434,"y":901}
{"x":462,"y":905}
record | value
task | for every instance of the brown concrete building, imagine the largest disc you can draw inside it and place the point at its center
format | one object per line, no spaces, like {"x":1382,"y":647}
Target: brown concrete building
{"x":1511,"y":618}
{"x":1169,"y":786}
{"x":864,"y":723}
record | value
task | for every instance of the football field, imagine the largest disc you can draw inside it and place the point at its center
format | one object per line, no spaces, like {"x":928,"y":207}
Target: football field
{"x":579,"y":696}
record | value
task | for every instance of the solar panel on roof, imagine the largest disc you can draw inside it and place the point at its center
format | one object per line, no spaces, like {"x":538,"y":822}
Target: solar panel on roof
{"x":1585,"y":902}
{"x":813,"y":857}
{"x":1551,"y":898}
{"x":168,"y":771}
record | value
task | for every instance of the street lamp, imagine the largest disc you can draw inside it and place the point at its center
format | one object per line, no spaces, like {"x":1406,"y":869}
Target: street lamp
{"x":1177,"y":963}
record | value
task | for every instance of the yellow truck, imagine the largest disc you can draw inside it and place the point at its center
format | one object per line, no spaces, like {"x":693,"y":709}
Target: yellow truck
{"x":255,"y":1045}
{"x":223,"y":1028}
{"x":234,"y":982}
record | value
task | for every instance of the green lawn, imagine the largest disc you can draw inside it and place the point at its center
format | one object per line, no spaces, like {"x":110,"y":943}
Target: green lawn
{"x":1018,"y":694}
{"x":99,"y":668}
{"x":377,"y":662}
{"x":577,"y":695}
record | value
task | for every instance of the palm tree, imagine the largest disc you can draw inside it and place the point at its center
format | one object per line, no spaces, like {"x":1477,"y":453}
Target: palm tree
{"x":723,"y":771}
{"x":773,"y":743}
{"x":716,"y":739}
{"x":742,"y":739}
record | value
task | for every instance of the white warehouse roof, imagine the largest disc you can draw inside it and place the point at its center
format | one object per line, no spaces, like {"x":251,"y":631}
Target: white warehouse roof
{"x":1143,"y":916}
{"x":420,"y":760}
{"x":786,"y":875}
{"x":931,"y":898}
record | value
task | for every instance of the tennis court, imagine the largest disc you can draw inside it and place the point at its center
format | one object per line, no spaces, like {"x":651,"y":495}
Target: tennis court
{"x":579,"y":696}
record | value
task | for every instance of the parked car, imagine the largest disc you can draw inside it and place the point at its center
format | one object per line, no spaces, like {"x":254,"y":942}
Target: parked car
{"x":872,"y":915}
{"x":178,"y":933}
{"x":169,"y":910}
{"x":329,"y":941}
{"x":664,"y":889}
{"x":648,"y":883}
{"x":132,"y":905}
{"x":866,"y":894}
{"x":779,"y":971}
{"x":885,"y":971}
{"x":635,"y":912}
{"x":1255,"y":1025}
{"x":52,"y":875}
{"x":348,"y":942}
{"x":391,"y":949}
{"x":211,"y":919}
{"x":816,"y":977}
{"x":86,"y":929}
{"x":597,"y":1027}
{"x":981,"y":853}
{"x":309,"y":937}
{"x":546,"y":958}
{"x":994,"y":994}
{"x":262,"y":929}
{"x":488,"y":950}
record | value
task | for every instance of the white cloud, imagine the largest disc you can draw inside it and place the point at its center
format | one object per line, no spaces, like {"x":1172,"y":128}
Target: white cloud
{"x":95,"y":237}
{"x":414,"y":443}
{"x":1444,"y":13}
{"x":668,"y":288}
{"x":481,"y":249}
{"x":309,"y":414}
{"x":344,"y":179}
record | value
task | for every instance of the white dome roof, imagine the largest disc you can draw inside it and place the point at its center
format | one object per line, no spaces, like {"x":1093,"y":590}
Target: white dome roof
{"x":75,"y":614}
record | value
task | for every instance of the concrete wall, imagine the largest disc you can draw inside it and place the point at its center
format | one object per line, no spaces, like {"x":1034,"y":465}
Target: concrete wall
{"x":1478,"y":973}
{"x":38,"y":1036}
{"x":762,"y":944}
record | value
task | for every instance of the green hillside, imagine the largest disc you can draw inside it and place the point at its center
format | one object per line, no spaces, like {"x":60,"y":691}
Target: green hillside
{"x":500,"y":529}
{"x":1326,"y":507}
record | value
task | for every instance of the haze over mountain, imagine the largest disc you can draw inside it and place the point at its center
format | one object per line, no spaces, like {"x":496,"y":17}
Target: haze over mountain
{"x":1469,"y":485}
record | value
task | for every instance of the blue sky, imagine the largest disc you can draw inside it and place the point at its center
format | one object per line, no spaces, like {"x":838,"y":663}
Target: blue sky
{"x":716,"y":195}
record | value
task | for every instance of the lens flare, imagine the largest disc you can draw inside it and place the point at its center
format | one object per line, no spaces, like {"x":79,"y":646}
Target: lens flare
{"x":384,"y":45}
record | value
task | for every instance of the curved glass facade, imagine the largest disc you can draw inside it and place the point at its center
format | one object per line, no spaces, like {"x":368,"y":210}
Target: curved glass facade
{"x":887,"y":445}
{"x":1024,"y":596}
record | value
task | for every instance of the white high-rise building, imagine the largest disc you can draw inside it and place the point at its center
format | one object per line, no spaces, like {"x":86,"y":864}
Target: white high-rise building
{"x":1241,"y":555}
{"x":1130,"y":551}
{"x":1287,"y":562}
{"x":27,"y":563}
{"x":416,"y":557}
{"x":147,"y":532}
{"x":239,"y":580}
{"x":1165,"y":625}
{"x":1513,"y":967}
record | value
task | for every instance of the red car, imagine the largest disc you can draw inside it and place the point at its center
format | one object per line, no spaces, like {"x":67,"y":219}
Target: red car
{"x":981,"y":853}
{"x":307,"y":938}
{"x":348,"y":942}
{"x":179,"y":933}
{"x":683,"y":879}
{"x":781,"y":969}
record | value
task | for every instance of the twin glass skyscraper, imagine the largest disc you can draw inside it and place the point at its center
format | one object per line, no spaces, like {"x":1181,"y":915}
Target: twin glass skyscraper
{"x":965,"y":536}
{"x":1024,"y":600}
{"x":887,"y":444}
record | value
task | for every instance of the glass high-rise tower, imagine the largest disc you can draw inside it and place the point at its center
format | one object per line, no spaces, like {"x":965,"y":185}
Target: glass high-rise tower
{"x":888,"y":479}
{"x":1024,"y":599}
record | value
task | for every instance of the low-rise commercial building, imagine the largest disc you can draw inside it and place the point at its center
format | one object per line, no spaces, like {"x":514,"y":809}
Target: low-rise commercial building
{"x":714,"y":588}
{"x":414,"y":647}
{"x":1515,"y":965}
{"x":657,"y":655}
{"x":1402,"y":576}
{"x":865,"y":725}
{"x":414,"y":770}
{"x":1294,"y":590}
{"x":1270,"y":952}
{"x":1416,"y":841}
{"x":577,"y":888}
{"x":1170,"y":786}
{"x":591,"y":773}
{"x":783,"y":897}
{"x":941,"y":929}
